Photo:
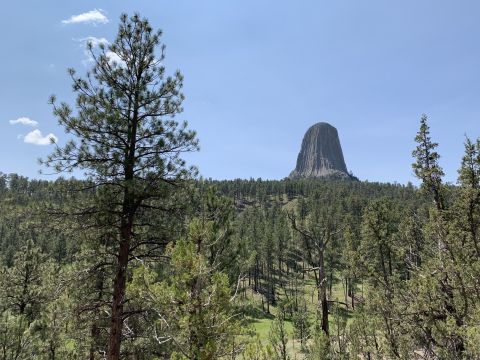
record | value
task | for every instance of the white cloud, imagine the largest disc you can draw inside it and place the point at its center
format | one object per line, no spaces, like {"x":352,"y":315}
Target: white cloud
{"x":24,"y":121}
{"x":95,"y":17}
{"x":35,"y":137}
{"x":114,"y":58}
{"x":95,"y":41}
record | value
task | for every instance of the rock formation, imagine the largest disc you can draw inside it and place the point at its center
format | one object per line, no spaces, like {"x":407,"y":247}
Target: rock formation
{"x":321,"y":154}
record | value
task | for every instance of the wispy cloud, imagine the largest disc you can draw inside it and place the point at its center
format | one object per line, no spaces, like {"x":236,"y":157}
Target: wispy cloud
{"x":24,"y":121}
{"x":115,"y":58}
{"x":96,"y":42}
{"x":94,"y":17}
{"x":35,"y":137}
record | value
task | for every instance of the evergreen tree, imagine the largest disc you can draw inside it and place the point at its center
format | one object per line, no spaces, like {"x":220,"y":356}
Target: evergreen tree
{"x":426,"y":166}
{"x":301,"y":323}
{"x":196,"y":316}
{"x":382,"y":260}
{"x":319,"y":348}
{"x":317,"y":231}
{"x":21,"y":285}
{"x":278,"y":335}
{"x":127,"y":143}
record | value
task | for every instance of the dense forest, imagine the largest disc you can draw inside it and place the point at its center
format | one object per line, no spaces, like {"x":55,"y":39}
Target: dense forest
{"x":142,"y":259}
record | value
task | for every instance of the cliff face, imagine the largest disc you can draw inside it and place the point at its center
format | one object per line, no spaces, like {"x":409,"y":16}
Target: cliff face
{"x":321,"y":154}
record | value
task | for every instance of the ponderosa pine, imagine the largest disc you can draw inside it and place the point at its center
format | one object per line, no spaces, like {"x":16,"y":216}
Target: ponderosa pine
{"x":126,"y":141}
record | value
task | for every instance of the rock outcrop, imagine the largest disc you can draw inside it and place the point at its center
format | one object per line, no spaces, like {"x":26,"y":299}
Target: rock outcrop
{"x":321,"y":154}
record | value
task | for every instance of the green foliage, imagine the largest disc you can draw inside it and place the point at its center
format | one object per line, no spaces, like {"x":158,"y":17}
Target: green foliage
{"x":278,"y":336}
{"x":128,"y":144}
{"x":16,"y":339}
{"x":319,"y":348}
{"x":398,"y":276}
{"x":302,"y":323}
{"x":426,"y":166}
{"x":258,"y":351}
{"x":194,"y":305}
{"x":363,"y":336}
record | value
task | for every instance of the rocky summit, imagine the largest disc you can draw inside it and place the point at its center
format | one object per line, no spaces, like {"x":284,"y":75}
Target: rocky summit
{"x":321,"y":154}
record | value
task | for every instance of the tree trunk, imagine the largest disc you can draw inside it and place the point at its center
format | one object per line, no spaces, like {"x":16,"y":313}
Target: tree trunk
{"x":352,"y":290}
{"x":322,"y":293}
{"x":95,"y":333}
{"x":126,"y":228}
{"x":116,"y":323}
{"x":346,"y":290}
{"x":95,"y":330}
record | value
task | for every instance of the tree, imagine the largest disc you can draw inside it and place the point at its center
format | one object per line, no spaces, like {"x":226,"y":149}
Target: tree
{"x":256,"y":350}
{"x":382,"y":262}
{"x":128,"y":145}
{"x":426,"y":166}
{"x":278,"y":335}
{"x":21,"y":285}
{"x":301,"y":323}
{"x":21,"y":296}
{"x":468,"y":204}
{"x":443,"y":293}
{"x":317,"y":232}
{"x":196,"y":316}
{"x":319,"y":347}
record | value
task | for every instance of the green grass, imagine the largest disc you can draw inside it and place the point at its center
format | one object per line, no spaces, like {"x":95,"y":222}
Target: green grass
{"x":261,"y":321}
{"x":262,"y":327}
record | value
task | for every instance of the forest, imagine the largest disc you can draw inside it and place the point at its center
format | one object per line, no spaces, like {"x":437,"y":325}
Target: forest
{"x":143,"y":259}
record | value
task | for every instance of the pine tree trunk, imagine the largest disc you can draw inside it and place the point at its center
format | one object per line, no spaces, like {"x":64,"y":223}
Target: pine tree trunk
{"x":95,"y":333}
{"x":95,"y":330}
{"x":119,"y":285}
{"x":322,"y":293}
{"x":346,"y":290}
{"x":116,"y":324}
{"x":352,"y":290}
{"x":126,"y":227}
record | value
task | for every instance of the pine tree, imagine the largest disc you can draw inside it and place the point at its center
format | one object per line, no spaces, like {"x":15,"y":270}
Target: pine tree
{"x":21,"y":285}
{"x":381,"y":259}
{"x":317,"y":231}
{"x":278,"y":335}
{"x":468,"y":204}
{"x":196,"y":316}
{"x":301,"y":323}
{"x":426,"y":167}
{"x":128,"y":144}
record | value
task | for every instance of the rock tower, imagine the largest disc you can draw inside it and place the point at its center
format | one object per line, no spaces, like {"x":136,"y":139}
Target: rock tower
{"x":321,"y":154}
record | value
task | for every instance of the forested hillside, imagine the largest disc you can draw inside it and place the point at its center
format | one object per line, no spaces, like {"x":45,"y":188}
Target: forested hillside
{"x":249,"y":269}
{"x":142,"y":259}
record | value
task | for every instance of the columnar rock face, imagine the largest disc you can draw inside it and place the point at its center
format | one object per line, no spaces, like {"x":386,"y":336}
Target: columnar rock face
{"x":321,"y":154}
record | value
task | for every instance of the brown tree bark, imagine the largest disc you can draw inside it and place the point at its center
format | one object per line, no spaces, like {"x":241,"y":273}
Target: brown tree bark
{"x":322,"y":292}
{"x":116,"y":323}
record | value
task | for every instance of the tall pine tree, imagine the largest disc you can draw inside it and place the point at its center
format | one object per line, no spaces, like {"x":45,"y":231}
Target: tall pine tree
{"x":126,"y":141}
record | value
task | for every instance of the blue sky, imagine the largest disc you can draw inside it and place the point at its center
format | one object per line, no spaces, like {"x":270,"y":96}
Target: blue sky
{"x":259,"y":73}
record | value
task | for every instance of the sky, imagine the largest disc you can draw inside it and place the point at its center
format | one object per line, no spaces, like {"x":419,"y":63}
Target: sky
{"x":258,"y":73}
